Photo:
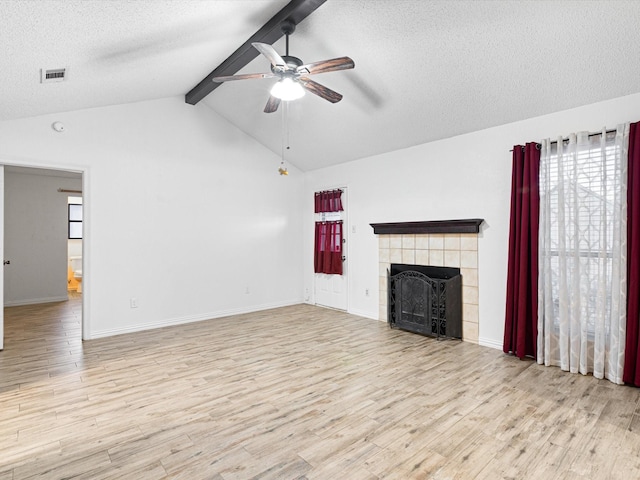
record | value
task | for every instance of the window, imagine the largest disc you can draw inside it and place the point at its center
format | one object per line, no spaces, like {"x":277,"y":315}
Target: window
{"x":75,"y":221}
{"x":579,"y":189}
{"x":329,"y":232}
{"x":582,"y":253}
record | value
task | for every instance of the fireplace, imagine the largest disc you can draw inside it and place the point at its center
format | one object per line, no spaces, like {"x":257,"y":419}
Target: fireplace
{"x":442,"y":243}
{"x":425,"y":299}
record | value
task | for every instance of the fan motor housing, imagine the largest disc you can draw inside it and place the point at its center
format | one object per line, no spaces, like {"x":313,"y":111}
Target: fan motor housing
{"x":292,"y":63}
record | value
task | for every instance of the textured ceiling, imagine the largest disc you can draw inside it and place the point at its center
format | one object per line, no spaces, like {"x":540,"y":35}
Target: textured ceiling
{"x":425,"y":70}
{"x":117,"y":51}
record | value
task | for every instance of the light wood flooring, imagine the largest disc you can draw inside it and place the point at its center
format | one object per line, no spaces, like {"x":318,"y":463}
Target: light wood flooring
{"x":296,"y":393}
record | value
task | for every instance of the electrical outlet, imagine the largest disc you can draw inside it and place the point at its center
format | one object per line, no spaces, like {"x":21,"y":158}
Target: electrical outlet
{"x":133,"y":302}
{"x":246,"y":291}
{"x":366,"y":292}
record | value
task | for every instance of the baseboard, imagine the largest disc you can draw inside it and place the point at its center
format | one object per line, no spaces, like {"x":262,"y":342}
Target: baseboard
{"x":489,"y":342}
{"x":170,"y":322}
{"x":34,"y":301}
{"x":362,"y":313}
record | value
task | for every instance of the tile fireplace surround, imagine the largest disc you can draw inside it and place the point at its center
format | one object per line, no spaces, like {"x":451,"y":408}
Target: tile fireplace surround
{"x":442,"y":243}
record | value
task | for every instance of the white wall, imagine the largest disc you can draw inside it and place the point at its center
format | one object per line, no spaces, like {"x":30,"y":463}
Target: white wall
{"x":74,"y":248}
{"x":468,"y":176}
{"x":35,"y":238}
{"x":182,"y":211}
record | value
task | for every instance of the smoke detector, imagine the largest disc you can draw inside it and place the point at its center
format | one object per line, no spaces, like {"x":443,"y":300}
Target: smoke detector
{"x":53,"y":75}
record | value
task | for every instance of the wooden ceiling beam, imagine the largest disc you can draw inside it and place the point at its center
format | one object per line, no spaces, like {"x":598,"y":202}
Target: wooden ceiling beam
{"x":295,"y":11}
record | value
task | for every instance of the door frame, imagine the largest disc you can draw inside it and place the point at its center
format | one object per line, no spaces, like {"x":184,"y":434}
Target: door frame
{"x":2,"y":255}
{"x":86,"y":233}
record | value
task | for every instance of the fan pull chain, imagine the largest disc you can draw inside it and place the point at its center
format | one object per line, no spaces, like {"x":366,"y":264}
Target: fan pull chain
{"x":285,"y":138}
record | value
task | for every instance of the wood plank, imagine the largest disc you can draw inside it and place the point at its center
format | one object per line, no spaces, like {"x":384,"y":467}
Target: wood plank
{"x":296,"y":392}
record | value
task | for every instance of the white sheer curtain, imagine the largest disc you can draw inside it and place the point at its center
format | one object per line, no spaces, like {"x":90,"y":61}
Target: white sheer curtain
{"x":583,"y":253}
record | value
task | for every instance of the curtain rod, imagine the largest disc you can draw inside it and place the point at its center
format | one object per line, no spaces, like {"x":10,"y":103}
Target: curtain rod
{"x":590,"y":135}
{"x":62,"y":190}
{"x":594,"y":134}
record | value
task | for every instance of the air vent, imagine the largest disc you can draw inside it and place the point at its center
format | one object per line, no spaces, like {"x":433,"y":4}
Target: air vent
{"x":50,"y":75}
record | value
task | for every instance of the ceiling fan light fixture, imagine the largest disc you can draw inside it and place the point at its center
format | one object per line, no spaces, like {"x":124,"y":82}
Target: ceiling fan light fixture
{"x":287,"y":89}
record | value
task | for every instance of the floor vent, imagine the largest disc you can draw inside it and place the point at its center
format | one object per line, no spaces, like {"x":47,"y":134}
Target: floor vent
{"x":50,"y":75}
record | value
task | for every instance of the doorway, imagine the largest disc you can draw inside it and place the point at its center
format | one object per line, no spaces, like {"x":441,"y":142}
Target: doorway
{"x":331,"y":290}
{"x":35,"y":235}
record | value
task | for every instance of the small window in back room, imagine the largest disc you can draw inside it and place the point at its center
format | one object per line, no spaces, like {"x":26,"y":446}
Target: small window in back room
{"x":75,"y":221}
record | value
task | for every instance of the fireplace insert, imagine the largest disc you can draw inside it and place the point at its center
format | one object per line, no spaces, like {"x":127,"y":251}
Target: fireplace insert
{"x":425,"y":300}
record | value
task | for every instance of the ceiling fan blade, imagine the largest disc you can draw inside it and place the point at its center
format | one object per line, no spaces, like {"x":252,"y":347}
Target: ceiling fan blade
{"x":272,"y":104}
{"x":342,"y":63}
{"x":269,"y":52}
{"x":243,"y":76}
{"x":320,"y":90}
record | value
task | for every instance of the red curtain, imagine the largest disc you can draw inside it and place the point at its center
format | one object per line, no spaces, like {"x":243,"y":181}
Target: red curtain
{"x":632,"y":348}
{"x":328,"y":201}
{"x":520,"y":328}
{"x":328,"y":252}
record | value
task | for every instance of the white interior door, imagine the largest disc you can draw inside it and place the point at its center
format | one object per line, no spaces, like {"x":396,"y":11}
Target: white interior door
{"x":331,"y":290}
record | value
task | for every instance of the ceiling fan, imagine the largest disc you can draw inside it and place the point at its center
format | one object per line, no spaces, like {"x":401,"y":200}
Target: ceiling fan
{"x":292,"y":73}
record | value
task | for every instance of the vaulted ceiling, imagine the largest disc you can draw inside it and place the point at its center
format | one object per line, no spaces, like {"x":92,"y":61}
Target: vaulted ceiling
{"x":425,"y":70}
